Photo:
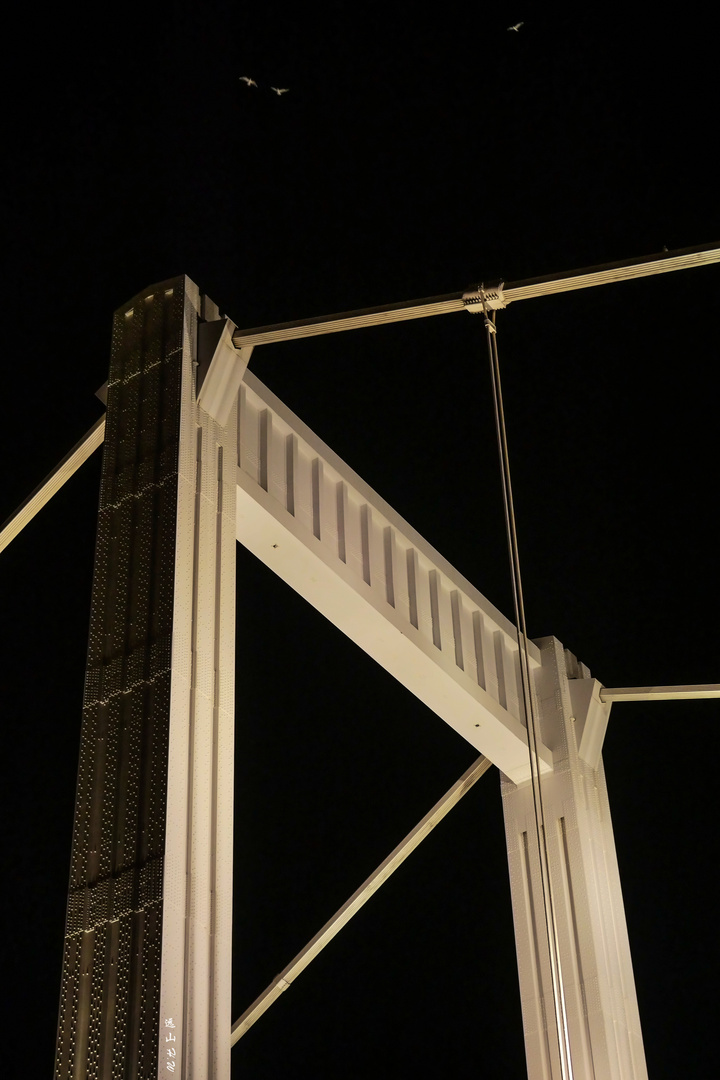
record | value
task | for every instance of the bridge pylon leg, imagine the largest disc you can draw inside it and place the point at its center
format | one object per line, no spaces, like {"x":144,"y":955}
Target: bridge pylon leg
{"x":147,"y":960}
{"x":597,"y":980}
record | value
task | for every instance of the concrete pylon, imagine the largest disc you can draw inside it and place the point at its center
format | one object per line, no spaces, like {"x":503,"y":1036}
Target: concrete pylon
{"x":147,"y":959}
{"x":597,"y":983}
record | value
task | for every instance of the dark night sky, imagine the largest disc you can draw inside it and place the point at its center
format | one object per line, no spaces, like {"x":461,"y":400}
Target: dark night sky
{"x":412,"y":156}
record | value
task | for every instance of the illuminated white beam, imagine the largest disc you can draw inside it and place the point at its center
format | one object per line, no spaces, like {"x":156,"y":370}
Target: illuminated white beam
{"x":660,"y":693}
{"x":511,"y":292}
{"x":317,"y":525}
{"x":358,"y":899}
{"x":610,"y":273}
{"x":53,"y":482}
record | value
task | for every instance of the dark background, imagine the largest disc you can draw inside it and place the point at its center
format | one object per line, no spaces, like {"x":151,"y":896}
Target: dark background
{"x":413,"y":155}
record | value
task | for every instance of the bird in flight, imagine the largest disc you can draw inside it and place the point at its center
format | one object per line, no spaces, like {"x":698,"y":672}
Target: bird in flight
{"x":517,"y":26}
{"x":248,"y":80}
{"x":280,"y":89}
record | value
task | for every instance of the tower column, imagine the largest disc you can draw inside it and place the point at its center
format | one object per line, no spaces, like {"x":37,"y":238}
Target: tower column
{"x":147,"y":961}
{"x":597,"y":980}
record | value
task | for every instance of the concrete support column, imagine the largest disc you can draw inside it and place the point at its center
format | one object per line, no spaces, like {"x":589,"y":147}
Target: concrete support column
{"x":195,"y":992}
{"x":147,"y":961}
{"x":597,"y":976}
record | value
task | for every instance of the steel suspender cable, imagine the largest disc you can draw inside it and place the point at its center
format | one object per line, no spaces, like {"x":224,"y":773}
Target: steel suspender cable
{"x":519,"y":605}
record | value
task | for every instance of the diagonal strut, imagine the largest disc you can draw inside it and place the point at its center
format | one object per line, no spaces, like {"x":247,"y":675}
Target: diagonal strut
{"x":52,"y":483}
{"x":358,"y":898}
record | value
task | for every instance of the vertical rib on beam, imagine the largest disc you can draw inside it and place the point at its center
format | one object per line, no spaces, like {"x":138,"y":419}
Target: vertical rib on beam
{"x":290,"y":471}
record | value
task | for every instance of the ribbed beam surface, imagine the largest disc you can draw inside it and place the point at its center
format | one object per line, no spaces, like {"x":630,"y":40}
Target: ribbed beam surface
{"x":322,"y":529}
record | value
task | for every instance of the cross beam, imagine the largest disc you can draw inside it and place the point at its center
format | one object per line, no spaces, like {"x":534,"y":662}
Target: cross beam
{"x":660,"y":693}
{"x":625,"y":270}
{"x":316,"y":524}
{"x":586,"y":278}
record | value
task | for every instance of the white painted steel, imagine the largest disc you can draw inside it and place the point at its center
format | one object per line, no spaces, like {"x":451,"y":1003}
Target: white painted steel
{"x":359,"y":898}
{"x":603,"y":1020}
{"x":471,"y":299}
{"x":350,"y":320}
{"x":659,"y":693}
{"x":197,"y":906}
{"x":591,"y":713}
{"x":586,"y":279}
{"x":322,"y":529}
{"x":53,"y":482}
{"x":276,"y":487}
{"x":222,"y":382}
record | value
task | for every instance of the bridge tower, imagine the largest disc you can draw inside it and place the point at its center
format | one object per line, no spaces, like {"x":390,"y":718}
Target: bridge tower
{"x":199,"y":454}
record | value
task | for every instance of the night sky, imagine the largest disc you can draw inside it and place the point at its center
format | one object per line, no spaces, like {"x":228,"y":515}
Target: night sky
{"x":413,"y":155}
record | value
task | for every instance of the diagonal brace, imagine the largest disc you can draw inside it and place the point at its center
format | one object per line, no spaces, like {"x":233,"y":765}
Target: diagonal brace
{"x":358,"y":898}
{"x":53,"y":482}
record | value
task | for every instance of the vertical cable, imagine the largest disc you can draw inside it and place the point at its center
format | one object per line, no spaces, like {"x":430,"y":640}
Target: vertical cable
{"x":217,"y":629}
{"x":561,"y":1023}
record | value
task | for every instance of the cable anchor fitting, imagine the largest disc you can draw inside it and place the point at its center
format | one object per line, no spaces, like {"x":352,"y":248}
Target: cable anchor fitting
{"x":483,"y":296}
{"x":484,"y":299}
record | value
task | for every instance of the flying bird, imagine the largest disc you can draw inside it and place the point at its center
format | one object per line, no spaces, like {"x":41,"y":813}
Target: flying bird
{"x":248,"y":80}
{"x":517,"y":26}
{"x":280,"y":89}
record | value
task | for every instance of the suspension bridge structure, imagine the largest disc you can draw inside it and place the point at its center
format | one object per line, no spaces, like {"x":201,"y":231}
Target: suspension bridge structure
{"x":200,"y":455}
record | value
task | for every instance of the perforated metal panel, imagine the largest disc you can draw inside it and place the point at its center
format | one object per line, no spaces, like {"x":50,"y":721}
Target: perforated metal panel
{"x":109,"y":1007}
{"x":147,"y":962}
